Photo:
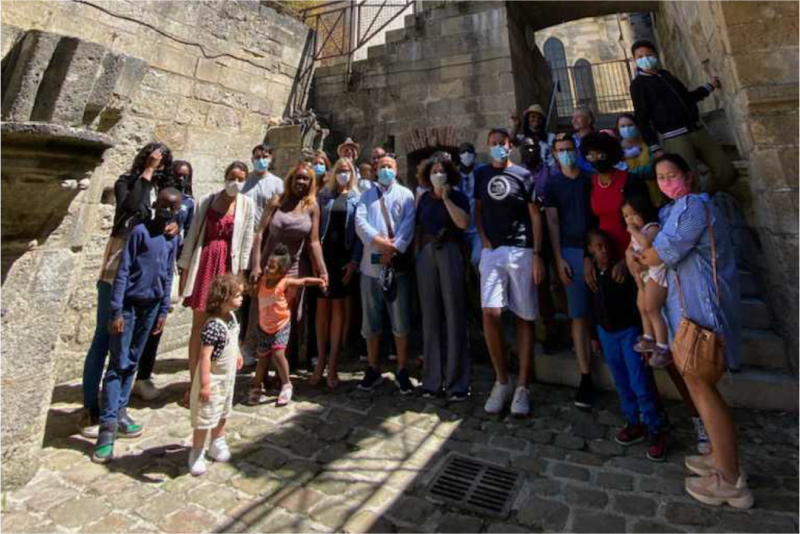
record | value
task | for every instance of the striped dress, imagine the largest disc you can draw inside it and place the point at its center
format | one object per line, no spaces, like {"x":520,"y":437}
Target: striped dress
{"x":685,"y":246}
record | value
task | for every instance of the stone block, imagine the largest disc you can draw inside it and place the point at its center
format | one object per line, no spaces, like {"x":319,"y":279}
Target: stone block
{"x":171,"y":60}
{"x":635,"y":505}
{"x":459,"y":523}
{"x":25,"y":70}
{"x":596,"y":522}
{"x":615,"y":481}
{"x":570,"y":471}
{"x":690,"y":514}
{"x":546,"y":514}
{"x":585,"y":498}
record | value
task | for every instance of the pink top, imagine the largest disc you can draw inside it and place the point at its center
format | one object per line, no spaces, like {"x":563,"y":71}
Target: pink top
{"x":273,"y":306}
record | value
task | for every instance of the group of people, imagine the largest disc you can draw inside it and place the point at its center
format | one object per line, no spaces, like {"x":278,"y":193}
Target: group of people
{"x":580,"y":210}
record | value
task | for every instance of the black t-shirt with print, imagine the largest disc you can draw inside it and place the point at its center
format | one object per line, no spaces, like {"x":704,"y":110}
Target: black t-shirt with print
{"x":505,"y":195}
{"x":214,"y":333}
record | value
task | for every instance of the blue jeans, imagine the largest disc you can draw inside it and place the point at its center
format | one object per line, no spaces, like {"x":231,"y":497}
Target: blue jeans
{"x":96,"y":357}
{"x":631,"y":378}
{"x":577,"y":292}
{"x":126,"y":349}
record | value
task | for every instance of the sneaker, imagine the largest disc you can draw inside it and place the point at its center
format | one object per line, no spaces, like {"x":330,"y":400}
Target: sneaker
{"x":146,"y":390}
{"x":645,"y":344}
{"x":404,"y":382}
{"x":393,"y":357}
{"x":372,"y":379}
{"x":702,"y":464}
{"x":703,"y":443}
{"x":584,"y":397}
{"x":197,"y":462}
{"x":127,"y":427}
{"x":630,"y":435}
{"x":457,"y":397}
{"x":428,"y":394}
{"x":285,"y":396}
{"x":714,"y":490}
{"x":104,"y":448}
{"x":657,"y":449}
{"x":521,"y":404}
{"x":219,"y":451}
{"x":500,"y":395}
{"x":89,"y":425}
{"x":662,"y":357}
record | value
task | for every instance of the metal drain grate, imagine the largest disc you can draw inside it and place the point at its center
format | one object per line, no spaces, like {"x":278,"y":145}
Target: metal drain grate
{"x":476,"y":486}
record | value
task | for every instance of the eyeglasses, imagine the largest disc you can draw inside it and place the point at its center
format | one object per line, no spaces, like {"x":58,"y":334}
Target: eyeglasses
{"x":596,"y":156}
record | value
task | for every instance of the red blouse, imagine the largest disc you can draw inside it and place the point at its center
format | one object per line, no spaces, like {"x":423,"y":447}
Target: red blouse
{"x":606,"y":205}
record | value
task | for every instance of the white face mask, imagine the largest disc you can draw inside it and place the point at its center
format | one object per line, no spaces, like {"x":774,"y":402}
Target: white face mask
{"x":343,"y":178}
{"x":438,"y":179}
{"x":233,"y":187}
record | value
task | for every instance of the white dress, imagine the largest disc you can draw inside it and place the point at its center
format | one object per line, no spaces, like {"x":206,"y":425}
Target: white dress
{"x":658,"y":273}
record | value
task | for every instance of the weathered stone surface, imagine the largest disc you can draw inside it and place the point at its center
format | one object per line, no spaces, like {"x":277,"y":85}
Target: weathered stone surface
{"x":459,"y":523}
{"x":585,"y":498}
{"x":550,"y":515}
{"x":75,"y":513}
{"x":596,"y":522}
{"x":634,"y":505}
{"x":689,"y":514}
{"x":570,"y":471}
{"x":615,"y":481}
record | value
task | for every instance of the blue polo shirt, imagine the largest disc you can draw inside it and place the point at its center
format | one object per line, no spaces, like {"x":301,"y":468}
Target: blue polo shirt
{"x":570,"y":196}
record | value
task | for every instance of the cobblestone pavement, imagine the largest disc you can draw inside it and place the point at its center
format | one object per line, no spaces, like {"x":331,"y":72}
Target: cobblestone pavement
{"x":356,"y":462}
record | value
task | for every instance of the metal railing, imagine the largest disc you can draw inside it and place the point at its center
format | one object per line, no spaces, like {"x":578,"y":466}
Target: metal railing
{"x":602,"y":87}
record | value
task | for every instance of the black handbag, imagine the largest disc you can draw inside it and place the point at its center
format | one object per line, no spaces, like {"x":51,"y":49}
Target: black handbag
{"x":402,"y":263}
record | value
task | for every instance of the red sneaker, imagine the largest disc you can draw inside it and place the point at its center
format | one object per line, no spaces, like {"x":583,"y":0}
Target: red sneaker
{"x":657,"y":449}
{"x":630,"y":435}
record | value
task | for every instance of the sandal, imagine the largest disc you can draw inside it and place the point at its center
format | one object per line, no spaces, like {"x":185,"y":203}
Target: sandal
{"x":315,"y":379}
{"x":286,"y":395}
{"x":256,"y":396}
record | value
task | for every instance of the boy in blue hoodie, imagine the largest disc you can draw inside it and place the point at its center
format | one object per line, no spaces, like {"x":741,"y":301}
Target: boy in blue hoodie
{"x":139,"y":305}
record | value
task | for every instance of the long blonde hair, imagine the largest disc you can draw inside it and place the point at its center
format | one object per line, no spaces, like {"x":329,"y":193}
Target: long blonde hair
{"x":333,"y":184}
{"x":311,"y":196}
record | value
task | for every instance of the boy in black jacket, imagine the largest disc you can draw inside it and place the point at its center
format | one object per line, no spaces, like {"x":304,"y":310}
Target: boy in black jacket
{"x":665,"y":108}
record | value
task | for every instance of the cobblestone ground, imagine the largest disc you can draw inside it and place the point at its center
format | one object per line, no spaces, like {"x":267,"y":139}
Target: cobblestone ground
{"x":355,"y":462}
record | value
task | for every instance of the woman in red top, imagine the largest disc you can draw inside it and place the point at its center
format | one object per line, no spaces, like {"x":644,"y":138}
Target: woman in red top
{"x":609,"y":187}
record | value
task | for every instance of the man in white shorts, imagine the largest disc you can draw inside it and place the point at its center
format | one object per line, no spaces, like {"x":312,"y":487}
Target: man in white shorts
{"x":509,"y":225}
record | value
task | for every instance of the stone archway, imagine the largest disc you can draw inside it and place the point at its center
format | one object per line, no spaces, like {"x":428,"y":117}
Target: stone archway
{"x":422,"y":143}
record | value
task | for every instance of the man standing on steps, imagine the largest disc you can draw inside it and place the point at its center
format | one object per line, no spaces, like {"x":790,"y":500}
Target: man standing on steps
{"x":261,"y":185}
{"x":509,"y":225}
{"x":665,"y":108}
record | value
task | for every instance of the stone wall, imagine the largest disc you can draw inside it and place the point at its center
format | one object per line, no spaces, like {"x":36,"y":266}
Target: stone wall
{"x":753,"y":46}
{"x":219,"y":73}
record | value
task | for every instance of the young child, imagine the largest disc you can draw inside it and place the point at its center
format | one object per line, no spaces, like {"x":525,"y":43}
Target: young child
{"x":211,"y":397}
{"x":274,"y":321}
{"x":615,"y":314}
{"x":139,"y":305}
{"x":641,"y":217}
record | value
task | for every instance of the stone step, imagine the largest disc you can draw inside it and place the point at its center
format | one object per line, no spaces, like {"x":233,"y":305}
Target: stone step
{"x":753,"y":388}
{"x":763,"y":348}
{"x":376,"y":51}
{"x":755,"y":313}
{"x":393,"y":36}
{"x":747,"y":284}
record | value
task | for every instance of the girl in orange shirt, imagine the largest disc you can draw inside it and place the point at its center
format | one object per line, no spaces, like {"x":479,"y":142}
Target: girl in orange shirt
{"x":274,"y":322}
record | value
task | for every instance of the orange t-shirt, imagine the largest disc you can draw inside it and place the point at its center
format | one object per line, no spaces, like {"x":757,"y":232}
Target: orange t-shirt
{"x":273,"y":306}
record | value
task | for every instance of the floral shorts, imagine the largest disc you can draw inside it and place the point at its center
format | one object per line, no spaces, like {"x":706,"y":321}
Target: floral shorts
{"x":268,"y":343}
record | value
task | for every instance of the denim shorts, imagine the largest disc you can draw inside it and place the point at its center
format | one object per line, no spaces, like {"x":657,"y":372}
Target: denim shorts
{"x":577,"y":292}
{"x":373,"y":301}
{"x":268,"y":343}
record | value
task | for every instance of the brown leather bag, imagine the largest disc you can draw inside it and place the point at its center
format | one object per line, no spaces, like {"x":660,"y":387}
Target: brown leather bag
{"x":697,"y":351}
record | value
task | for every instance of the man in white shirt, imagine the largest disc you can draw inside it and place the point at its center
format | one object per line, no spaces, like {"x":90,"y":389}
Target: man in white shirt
{"x":385,"y":220}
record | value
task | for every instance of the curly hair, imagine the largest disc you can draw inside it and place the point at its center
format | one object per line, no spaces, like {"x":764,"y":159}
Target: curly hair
{"x":424,"y":175}
{"x":140,"y":160}
{"x":602,"y":142}
{"x":282,"y":255}
{"x":223,"y":288}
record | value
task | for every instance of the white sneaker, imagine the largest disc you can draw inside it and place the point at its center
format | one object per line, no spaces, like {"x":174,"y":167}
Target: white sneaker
{"x":146,"y":390}
{"x":219,"y":451}
{"x":197,"y":462}
{"x":703,"y":444}
{"x":521,"y":405}
{"x":501,"y":394}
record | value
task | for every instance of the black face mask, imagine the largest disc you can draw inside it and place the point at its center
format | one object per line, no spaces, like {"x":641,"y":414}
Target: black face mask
{"x":530,"y":157}
{"x":163,"y":217}
{"x":603,"y":165}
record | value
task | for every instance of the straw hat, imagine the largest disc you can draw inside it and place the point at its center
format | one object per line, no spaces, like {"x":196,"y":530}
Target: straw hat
{"x":348,"y":142}
{"x":535,"y":108}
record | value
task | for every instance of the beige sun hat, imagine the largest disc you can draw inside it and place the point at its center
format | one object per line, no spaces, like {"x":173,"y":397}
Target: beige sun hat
{"x":348,"y":142}
{"x":535,"y":108}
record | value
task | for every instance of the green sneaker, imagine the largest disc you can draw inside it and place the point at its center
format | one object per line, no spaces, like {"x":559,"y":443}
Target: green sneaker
{"x":104,"y":449}
{"x":127,"y":427}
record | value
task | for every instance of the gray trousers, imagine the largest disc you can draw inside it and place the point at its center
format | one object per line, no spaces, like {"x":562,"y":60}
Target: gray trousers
{"x":442,"y":296}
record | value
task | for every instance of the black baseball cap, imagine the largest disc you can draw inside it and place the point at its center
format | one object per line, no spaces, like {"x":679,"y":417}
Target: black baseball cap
{"x":499,"y":129}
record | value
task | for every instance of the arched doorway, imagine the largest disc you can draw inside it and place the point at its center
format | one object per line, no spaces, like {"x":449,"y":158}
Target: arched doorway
{"x":585,"y":90}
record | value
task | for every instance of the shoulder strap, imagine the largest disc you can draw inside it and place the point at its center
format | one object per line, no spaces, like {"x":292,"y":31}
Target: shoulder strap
{"x":385,"y":212}
{"x":713,"y":260}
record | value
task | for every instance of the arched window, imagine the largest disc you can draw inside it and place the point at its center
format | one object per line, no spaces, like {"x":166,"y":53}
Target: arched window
{"x":585,"y":90}
{"x":557,"y":59}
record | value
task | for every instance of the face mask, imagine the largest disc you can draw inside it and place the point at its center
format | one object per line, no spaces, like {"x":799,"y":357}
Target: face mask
{"x":603,"y":165}
{"x":467,"y":159}
{"x":530,"y":157}
{"x":163,"y":215}
{"x":633,"y":152}
{"x":674,"y":188}
{"x":438,"y":179}
{"x":261,"y":164}
{"x":319,"y":169}
{"x":647,"y":62}
{"x":499,"y":153}
{"x":629,"y":132}
{"x":233,"y":188}
{"x":343,"y":178}
{"x":386,"y":176}
{"x":568,"y":159}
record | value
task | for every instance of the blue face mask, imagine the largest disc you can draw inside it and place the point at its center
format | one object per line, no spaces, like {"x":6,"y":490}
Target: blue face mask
{"x":568,"y":158}
{"x":499,"y":153}
{"x":386,"y":176}
{"x":261,"y":164}
{"x":629,"y":132}
{"x":319,"y":169}
{"x":647,"y":62}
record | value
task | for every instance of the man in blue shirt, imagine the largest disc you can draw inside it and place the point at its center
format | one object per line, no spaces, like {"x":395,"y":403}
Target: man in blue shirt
{"x":509,"y":225}
{"x":140,"y":300}
{"x":385,"y":220}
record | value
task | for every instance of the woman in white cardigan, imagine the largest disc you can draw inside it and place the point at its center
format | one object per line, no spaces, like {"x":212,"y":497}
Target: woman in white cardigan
{"x":219,"y":242}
